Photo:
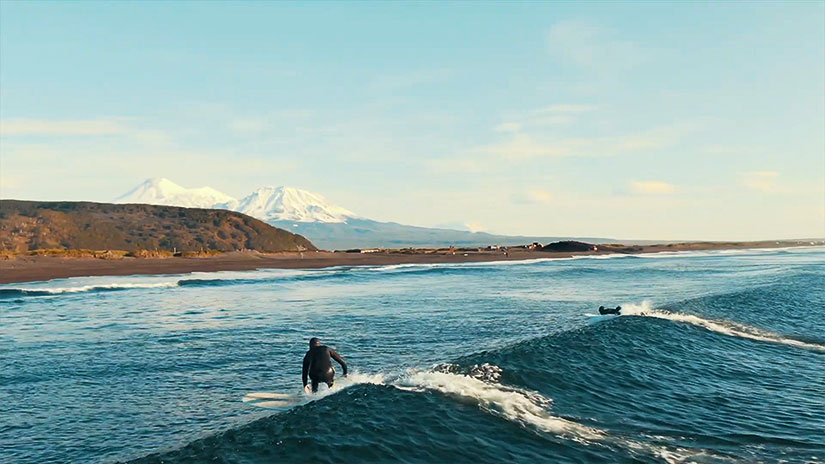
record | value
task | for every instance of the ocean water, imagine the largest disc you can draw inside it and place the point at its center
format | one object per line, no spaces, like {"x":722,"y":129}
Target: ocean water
{"x":719,"y":357}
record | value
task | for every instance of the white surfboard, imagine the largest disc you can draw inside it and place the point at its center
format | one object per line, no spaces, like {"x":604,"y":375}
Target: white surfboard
{"x":596,"y":318}
{"x":272,"y":400}
{"x":265,"y":396}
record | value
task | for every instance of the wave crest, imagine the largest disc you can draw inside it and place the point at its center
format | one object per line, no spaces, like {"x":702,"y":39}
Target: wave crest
{"x":17,"y":292}
{"x":521,"y":406}
{"x":646,"y":309}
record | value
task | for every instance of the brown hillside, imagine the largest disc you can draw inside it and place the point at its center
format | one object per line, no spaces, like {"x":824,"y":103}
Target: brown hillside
{"x":31,"y":225}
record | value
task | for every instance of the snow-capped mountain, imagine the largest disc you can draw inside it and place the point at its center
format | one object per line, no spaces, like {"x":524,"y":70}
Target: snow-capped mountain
{"x":160,"y":191}
{"x":266,"y":203}
{"x":291,"y":204}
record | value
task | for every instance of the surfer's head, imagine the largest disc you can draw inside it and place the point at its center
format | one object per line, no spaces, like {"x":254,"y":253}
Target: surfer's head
{"x":601,"y":308}
{"x":314,"y":341}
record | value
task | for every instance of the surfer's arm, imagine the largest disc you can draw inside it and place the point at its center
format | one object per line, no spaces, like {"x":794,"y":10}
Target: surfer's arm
{"x":305,"y":370}
{"x":337,"y":357}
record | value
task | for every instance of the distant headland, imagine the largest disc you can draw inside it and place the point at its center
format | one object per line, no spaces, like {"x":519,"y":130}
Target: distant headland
{"x":63,"y":228}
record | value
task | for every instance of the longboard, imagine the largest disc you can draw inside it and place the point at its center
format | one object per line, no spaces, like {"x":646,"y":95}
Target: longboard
{"x":272,"y":400}
{"x":284,"y":401}
{"x":265,"y":396}
{"x":596,"y":318}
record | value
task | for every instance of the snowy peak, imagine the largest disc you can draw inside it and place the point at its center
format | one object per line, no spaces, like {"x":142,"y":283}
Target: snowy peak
{"x":291,"y":204}
{"x":266,"y":204}
{"x":160,"y":191}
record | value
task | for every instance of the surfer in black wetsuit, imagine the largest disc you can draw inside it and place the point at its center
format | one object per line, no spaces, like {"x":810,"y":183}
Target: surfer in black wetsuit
{"x":603,"y":310}
{"x":317,"y":364}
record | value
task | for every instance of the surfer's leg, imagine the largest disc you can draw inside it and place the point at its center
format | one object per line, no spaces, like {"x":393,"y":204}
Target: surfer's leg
{"x":314,"y":386}
{"x":330,"y":378}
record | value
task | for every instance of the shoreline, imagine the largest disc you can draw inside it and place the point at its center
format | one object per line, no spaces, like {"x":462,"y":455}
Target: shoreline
{"x":41,"y":268}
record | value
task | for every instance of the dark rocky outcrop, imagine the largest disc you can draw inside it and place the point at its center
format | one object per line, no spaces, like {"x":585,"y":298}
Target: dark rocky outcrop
{"x":568,"y":246}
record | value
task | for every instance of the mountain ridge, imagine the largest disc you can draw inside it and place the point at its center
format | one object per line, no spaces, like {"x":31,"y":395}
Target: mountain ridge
{"x":291,"y":204}
{"x":162,"y":191}
{"x":279,"y":203}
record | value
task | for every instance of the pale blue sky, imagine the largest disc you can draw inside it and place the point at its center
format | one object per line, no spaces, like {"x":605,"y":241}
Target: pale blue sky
{"x":641,"y":120}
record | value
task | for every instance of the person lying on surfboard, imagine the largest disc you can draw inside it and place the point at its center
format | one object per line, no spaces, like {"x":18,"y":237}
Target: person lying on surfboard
{"x":603,"y":310}
{"x":318,"y":367}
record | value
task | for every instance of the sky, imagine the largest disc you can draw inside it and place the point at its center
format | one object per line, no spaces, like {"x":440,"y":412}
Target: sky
{"x":639,"y":120}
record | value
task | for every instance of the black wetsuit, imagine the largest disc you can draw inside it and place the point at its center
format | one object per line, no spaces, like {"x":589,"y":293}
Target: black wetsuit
{"x":318,"y":366}
{"x":603,"y":310}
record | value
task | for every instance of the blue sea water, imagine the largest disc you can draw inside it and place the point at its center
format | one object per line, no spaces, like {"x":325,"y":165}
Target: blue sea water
{"x":719,"y":357}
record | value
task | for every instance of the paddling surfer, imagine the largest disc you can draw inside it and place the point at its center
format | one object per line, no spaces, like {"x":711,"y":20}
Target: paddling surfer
{"x":318,"y":366}
{"x":604,"y":311}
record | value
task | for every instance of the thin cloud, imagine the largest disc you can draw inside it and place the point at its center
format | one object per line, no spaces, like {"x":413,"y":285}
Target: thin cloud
{"x":53,"y":127}
{"x":397,"y":82}
{"x":532,"y":196}
{"x":508,"y":127}
{"x":564,"y":108}
{"x":593,"y":47}
{"x":550,"y":115}
{"x":465,"y":165}
{"x":652,"y":139}
{"x":522,"y":146}
{"x":651,"y":187}
{"x":763,"y":181}
{"x":474,"y":226}
{"x":540,"y":196}
{"x":247,"y":125}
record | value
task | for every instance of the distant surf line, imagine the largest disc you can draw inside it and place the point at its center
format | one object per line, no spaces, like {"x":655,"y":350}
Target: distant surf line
{"x":254,"y":276}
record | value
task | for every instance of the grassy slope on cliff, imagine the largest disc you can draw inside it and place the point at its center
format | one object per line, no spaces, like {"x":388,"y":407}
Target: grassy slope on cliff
{"x":30,"y":225}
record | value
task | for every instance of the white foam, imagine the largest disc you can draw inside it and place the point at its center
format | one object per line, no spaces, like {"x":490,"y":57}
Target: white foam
{"x":521,"y":406}
{"x":356,"y":378}
{"x":86,"y":288}
{"x":645,"y":309}
{"x":512,"y":262}
{"x":729,"y":251}
{"x":281,"y":401}
{"x":655,"y":255}
{"x":526,"y":408}
{"x":341,"y":383}
{"x":87,"y":284}
{"x":393,"y":267}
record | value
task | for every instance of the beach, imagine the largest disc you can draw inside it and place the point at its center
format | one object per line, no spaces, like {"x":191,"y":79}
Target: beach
{"x":24,"y":268}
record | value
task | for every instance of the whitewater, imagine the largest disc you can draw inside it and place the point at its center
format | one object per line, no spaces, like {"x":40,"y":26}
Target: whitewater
{"x":717,"y":357}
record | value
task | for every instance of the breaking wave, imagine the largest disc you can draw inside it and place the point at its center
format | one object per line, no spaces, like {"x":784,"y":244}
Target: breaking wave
{"x":646,"y":309}
{"x":514,"y":404}
{"x":18,"y":292}
{"x":476,"y":386}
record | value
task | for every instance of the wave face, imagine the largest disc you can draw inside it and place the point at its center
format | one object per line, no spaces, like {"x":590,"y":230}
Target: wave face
{"x":716,"y":358}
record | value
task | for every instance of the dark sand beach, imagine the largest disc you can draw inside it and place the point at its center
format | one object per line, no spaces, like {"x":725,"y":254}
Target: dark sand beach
{"x":26,"y":268}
